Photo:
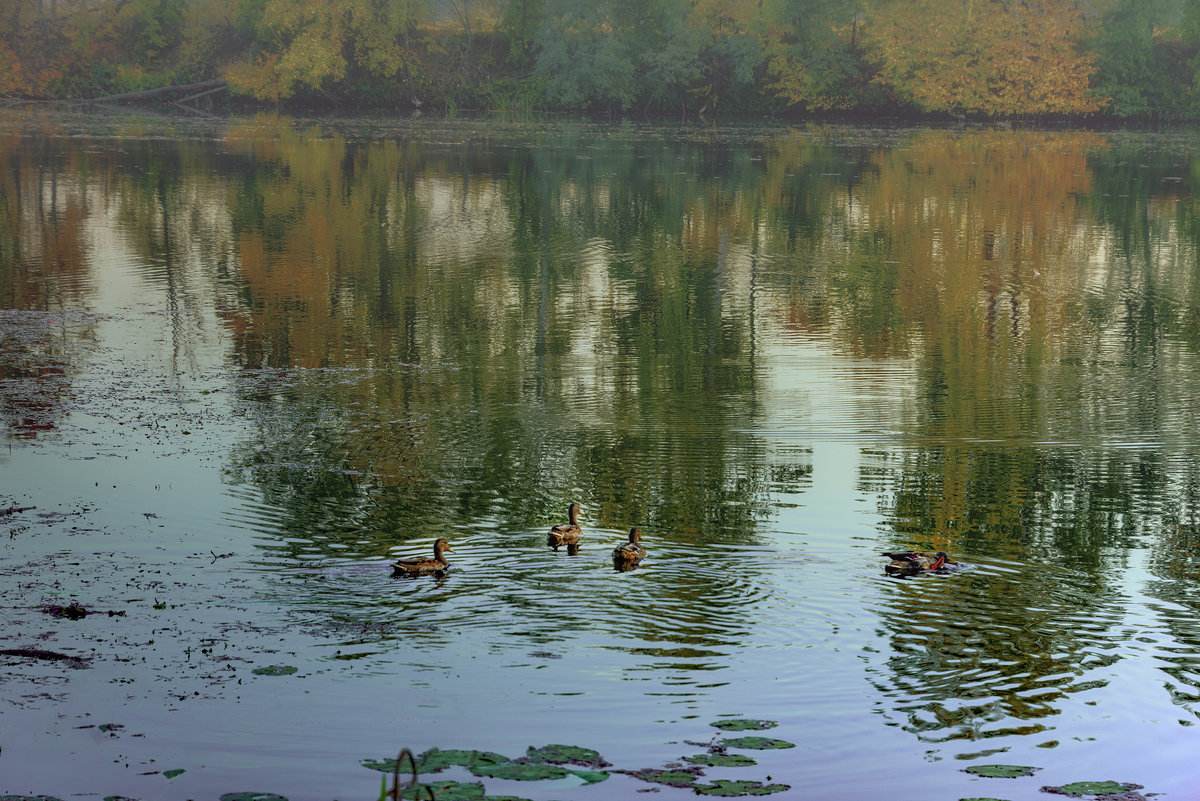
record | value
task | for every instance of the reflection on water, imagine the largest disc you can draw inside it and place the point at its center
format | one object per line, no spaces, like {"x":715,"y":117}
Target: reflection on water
{"x":777,"y":352}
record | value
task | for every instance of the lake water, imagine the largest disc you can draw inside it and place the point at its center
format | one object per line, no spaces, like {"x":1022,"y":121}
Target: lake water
{"x":246,"y":364}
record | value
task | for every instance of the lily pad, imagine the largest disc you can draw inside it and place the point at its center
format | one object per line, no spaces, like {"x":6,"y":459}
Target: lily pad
{"x":757,"y":743}
{"x":436,"y":760}
{"x":1079,"y":789}
{"x":685,"y":777}
{"x":727,"y":788}
{"x":743,"y":724}
{"x":567,"y":755}
{"x":252,"y":797}
{"x":519,"y":771}
{"x":274,"y":670}
{"x":173,"y":772}
{"x":1001,"y":771}
{"x":590,"y":776}
{"x":721,"y":760}
{"x":445,"y":791}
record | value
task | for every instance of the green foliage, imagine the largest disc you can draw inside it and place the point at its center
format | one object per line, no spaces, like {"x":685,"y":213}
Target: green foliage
{"x":1125,"y":58}
{"x":1135,"y":60}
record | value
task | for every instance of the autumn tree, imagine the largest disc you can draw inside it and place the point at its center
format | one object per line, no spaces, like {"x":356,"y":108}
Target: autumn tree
{"x":992,"y":57}
{"x":322,"y":44}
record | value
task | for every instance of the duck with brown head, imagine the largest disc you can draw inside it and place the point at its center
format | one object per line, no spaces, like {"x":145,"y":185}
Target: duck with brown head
{"x":628,"y":555}
{"x":566,"y":533}
{"x":424,"y":567}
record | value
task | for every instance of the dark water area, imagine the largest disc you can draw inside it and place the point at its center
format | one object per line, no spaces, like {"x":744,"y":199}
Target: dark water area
{"x":246,"y":365}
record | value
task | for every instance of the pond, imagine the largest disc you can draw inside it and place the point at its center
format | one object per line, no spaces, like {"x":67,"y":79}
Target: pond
{"x":247,"y":364}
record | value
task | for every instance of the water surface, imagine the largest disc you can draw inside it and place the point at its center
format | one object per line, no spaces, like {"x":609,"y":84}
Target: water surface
{"x":245,"y":365}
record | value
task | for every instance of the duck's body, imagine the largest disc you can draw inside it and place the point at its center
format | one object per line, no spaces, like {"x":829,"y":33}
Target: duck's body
{"x":910,"y":563}
{"x":627,"y":555}
{"x":424,"y":567}
{"x":566,"y":533}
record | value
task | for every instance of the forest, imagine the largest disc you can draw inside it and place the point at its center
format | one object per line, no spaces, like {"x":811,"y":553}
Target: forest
{"x":1104,"y":60}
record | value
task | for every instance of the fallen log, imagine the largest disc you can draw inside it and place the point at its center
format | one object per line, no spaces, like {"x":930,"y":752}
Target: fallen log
{"x":202,"y":87}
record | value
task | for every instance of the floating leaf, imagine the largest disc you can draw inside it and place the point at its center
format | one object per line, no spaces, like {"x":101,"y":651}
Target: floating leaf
{"x":673,"y":778}
{"x":567,"y":754}
{"x":1078,"y":789}
{"x":173,"y":772}
{"x":274,"y":670}
{"x":725,"y":787}
{"x":721,"y":760}
{"x":757,"y":743}
{"x":519,"y":771}
{"x":743,"y":724}
{"x":251,"y":797}
{"x":436,"y":760}
{"x":445,"y":791}
{"x":590,"y":776}
{"x":1001,"y":771}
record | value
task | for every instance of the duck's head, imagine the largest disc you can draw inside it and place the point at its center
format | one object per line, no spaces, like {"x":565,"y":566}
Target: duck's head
{"x":635,"y":534}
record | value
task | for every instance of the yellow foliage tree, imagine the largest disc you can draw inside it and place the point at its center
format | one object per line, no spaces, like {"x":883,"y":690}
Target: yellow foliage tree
{"x":995,"y":57}
{"x":316,"y":43}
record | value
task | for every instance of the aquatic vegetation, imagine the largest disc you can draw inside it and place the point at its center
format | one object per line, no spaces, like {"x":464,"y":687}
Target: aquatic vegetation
{"x":567,"y":755}
{"x":728,"y":788}
{"x":719,"y":760}
{"x":680,"y":777}
{"x":743,"y":724}
{"x":274,"y":670}
{"x":757,"y":743}
{"x":444,"y":791}
{"x":522,"y":772}
{"x":435,"y":760}
{"x":1105,"y":788}
{"x":1001,"y":771}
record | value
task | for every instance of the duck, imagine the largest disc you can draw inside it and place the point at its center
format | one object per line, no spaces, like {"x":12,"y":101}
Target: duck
{"x":424,"y":567}
{"x":566,"y":533}
{"x":627,"y":555}
{"x":911,"y":563}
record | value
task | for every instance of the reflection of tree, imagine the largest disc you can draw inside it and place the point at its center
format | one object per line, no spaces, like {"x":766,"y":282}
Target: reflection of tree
{"x":495,"y":329}
{"x":43,"y":278}
{"x":1051,"y":413}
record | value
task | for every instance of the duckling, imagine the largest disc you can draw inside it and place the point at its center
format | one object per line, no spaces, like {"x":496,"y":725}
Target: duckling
{"x":627,"y":555}
{"x":424,"y":567}
{"x":566,"y":533}
{"x":910,"y":563}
